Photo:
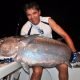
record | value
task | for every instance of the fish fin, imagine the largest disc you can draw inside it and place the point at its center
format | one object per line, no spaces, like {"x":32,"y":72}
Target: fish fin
{"x":29,"y":38}
{"x":32,"y":37}
{"x":25,"y":67}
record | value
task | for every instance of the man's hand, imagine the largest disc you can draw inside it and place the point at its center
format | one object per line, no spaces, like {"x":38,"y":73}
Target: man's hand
{"x":75,"y":60}
{"x":75,"y":57}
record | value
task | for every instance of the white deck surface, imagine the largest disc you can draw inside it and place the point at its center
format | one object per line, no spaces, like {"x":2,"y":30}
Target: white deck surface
{"x":48,"y":74}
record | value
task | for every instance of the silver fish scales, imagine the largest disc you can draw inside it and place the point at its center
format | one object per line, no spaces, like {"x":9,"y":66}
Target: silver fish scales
{"x":35,"y":50}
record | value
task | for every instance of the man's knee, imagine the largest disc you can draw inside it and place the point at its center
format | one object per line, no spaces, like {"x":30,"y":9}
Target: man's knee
{"x":63,"y":71}
{"x":62,"y":67}
{"x":37,"y":70}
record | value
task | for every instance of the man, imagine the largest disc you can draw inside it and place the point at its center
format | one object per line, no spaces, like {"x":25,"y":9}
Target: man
{"x":37,"y":24}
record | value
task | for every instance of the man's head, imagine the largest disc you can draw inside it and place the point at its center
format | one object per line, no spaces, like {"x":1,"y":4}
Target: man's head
{"x":33,"y":13}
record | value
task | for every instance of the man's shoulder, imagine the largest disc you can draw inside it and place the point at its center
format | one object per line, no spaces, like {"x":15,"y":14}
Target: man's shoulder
{"x":44,"y":19}
{"x":28,"y":23}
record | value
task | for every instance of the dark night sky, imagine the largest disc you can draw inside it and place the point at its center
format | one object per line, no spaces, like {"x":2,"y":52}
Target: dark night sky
{"x":65,"y":13}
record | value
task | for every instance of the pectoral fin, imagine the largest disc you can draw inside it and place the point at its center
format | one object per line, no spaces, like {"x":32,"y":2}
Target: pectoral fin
{"x":25,"y":67}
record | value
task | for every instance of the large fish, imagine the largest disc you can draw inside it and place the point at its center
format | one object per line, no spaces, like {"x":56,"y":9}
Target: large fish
{"x":35,"y":51}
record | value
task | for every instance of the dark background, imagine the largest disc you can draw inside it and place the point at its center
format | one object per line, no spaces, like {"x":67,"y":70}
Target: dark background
{"x":65,"y":13}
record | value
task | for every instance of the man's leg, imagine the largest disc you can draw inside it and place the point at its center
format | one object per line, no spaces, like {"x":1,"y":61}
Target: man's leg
{"x":37,"y":73}
{"x":63,"y":71}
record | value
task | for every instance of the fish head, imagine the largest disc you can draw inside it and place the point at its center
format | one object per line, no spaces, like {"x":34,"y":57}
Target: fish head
{"x":8,"y":47}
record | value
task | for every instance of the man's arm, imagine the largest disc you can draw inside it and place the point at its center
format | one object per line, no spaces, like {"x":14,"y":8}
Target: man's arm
{"x":62,"y":33}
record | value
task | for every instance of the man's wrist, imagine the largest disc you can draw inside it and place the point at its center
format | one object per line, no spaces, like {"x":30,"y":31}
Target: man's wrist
{"x":74,"y":57}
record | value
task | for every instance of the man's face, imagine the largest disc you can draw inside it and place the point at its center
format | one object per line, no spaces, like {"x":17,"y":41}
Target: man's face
{"x":33,"y":15}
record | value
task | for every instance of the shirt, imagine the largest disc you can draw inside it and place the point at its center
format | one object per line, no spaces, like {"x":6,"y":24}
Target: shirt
{"x":43,"y":28}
